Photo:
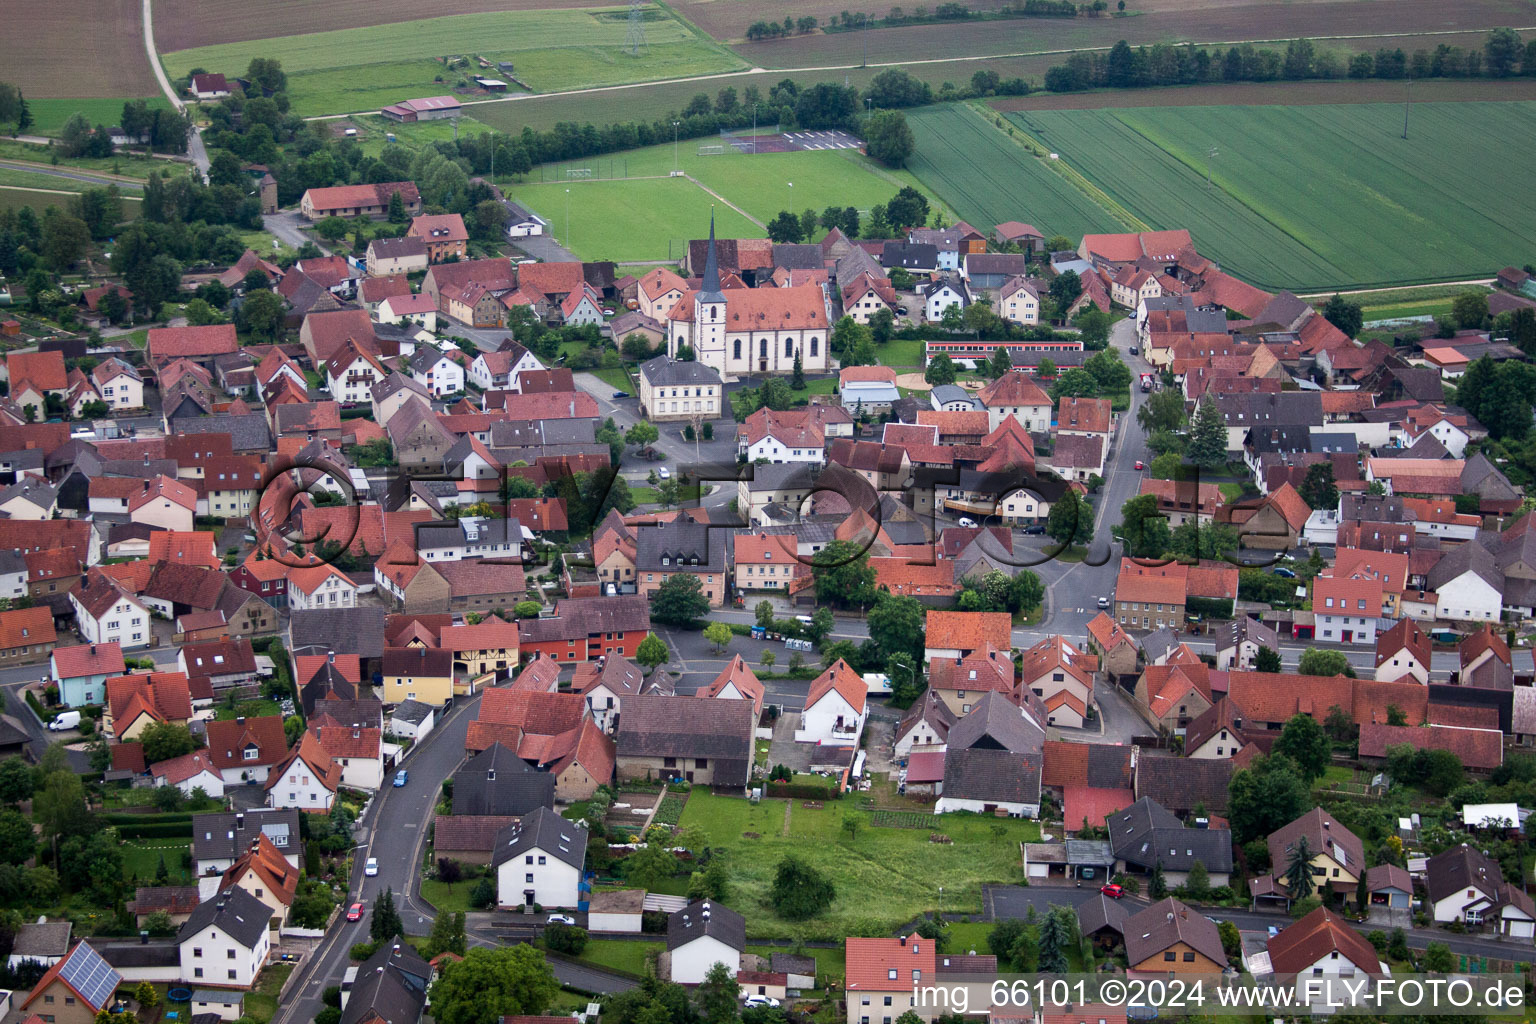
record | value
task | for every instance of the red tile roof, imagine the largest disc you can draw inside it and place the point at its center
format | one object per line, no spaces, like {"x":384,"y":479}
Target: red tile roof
{"x":88,"y":660}
{"x":968,"y":631}
{"x":870,"y":961}
{"x":166,"y":343}
{"x":227,"y":738}
{"x":1313,"y":938}
{"x":1478,"y":749}
{"x":26,"y":627}
{"x":1095,"y":805}
{"x":166,"y":696}
{"x":848,"y":684}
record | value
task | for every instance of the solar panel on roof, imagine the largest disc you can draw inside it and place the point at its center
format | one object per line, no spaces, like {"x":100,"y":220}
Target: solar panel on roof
{"x":91,"y":976}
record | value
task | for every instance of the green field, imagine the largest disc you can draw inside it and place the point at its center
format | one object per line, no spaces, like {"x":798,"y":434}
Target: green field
{"x":50,"y":115}
{"x":649,"y":219}
{"x":365,"y":68}
{"x":631,"y":210}
{"x":884,"y":877}
{"x":15,"y":198}
{"x":1302,"y":197}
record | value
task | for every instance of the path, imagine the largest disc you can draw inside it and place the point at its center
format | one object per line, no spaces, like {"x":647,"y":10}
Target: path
{"x":74,"y":174}
{"x":147,"y":17}
{"x":726,"y":201}
{"x":1489,"y":281}
{"x":684,"y":79}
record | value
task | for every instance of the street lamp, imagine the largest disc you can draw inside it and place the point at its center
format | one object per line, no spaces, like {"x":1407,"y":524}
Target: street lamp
{"x":674,"y":144}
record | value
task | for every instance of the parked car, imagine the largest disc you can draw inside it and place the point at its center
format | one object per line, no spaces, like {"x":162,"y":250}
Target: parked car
{"x":65,"y":720}
{"x":355,"y":912}
{"x":620,"y":394}
{"x":1133,"y":350}
{"x":664,"y":473}
{"x":1113,"y":890}
{"x":1036,"y":530}
{"x":1140,"y":464}
{"x":1283,"y":572}
{"x":1103,"y":602}
{"x":561,"y":919}
{"x":967,"y":522}
{"x":401,"y":778}
{"x":757,"y":1000}
{"x":371,"y":867}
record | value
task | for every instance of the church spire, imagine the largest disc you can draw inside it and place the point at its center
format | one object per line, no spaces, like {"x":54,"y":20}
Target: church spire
{"x":709,"y":289}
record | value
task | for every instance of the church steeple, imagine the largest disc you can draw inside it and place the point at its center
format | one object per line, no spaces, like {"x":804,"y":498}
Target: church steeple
{"x":709,"y":289}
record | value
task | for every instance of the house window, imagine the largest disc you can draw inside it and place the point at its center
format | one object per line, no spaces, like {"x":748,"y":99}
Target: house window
{"x":528,"y":877}
{"x":762,"y":348}
{"x":1170,"y":956}
{"x":738,"y":348}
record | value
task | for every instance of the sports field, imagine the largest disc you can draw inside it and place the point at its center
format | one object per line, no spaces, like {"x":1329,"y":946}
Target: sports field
{"x":369,"y":67}
{"x":627,"y":221}
{"x":1305,"y":197}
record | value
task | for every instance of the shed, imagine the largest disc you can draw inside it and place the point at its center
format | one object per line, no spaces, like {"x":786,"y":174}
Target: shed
{"x":616,"y":911}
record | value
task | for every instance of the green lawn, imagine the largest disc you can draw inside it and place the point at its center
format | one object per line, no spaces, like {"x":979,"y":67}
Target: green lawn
{"x":141,"y":858}
{"x":965,"y":936}
{"x":901,"y":352}
{"x":374,"y":65}
{"x":616,"y":378}
{"x":762,"y":184}
{"x":447,"y":898}
{"x":261,"y":1004}
{"x":883,"y":876}
{"x":49,"y":115}
{"x":619,"y":954}
{"x":247,"y":709}
{"x":648,"y":219}
{"x":127,"y":164}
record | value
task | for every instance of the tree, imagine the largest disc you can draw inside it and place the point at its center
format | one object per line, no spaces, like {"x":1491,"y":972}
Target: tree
{"x":1208,"y":438}
{"x":59,"y":807}
{"x":1093,"y":327}
{"x":941,"y":370}
{"x":822,"y":624}
{"x":1074,"y":383}
{"x":1267,"y":794}
{"x":397,"y":214}
{"x":16,"y":781}
{"x":1231,"y":938}
{"x":1318,"y":489}
{"x":785,"y":228}
{"x":1144,"y":527}
{"x":650,"y":866}
{"x":1057,"y":935}
{"x":907,"y":209}
{"x":767,"y":658}
{"x":652,"y":651}
{"x":717,"y":995}
{"x":1065,"y":289}
{"x":799,"y":891}
{"x":896,"y":625}
{"x":1438,"y":959}
{"x":147,"y":995}
{"x":1197,"y":883}
{"x":385,"y":923}
{"x":888,"y":138}
{"x":489,"y":984}
{"x":719,"y":634}
{"x":1112,"y":375}
{"x":165,"y":740}
{"x":261,"y":315}
{"x":843,"y":575}
{"x":65,"y":240}
{"x":1071,"y":520}
{"x":1298,"y":870}
{"x":1267,"y":659}
{"x":643,"y":433}
{"x":1304,"y":742}
{"x":1046,"y":369}
{"x":680,"y":600}
{"x":565,"y":938}
{"x":1317,"y":662}
{"x":1502,"y":52}
{"x":1000,"y":363}
{"x":1157,"y":887}
{"x":1344,"y":315}
{"x":1470,"y":309}
{"x":17,"y":842}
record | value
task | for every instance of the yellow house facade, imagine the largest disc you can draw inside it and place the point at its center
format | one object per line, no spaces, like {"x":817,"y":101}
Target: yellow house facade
{"x":418,"y":673}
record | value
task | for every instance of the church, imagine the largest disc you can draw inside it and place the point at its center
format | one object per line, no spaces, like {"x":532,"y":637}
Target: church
{"x":750,"y":330}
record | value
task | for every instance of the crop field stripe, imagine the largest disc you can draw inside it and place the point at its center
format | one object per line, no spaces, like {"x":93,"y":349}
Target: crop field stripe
{"x":988,"y":178}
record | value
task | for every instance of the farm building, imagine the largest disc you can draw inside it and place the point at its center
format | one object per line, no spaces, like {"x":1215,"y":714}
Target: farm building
{"x":430,"y":108}
{"x":358,"y":200}
{"x":209,"y":87}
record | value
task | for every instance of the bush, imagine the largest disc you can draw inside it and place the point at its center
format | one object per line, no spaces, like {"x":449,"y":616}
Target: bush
{"x":565,"y":938}
{"x":483,"y":895}
{"x":362,"y":950}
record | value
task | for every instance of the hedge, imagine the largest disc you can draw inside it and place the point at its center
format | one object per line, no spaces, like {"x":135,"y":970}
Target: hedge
{"x":161,"y":818}
{"x":803,"y":791}
{"x":155,"y":830}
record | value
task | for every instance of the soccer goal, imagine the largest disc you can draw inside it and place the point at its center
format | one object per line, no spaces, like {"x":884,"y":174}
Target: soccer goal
{"x":711,"y":150}
{"x":572,"y":173}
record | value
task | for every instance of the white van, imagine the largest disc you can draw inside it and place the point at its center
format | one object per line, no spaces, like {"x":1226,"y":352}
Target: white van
{"x":66,"y":720}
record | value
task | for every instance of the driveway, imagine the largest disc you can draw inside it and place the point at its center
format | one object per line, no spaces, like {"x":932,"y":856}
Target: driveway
{"x":288,"y":228}
{"x":545,"y":248}
{"x":784,"y":750}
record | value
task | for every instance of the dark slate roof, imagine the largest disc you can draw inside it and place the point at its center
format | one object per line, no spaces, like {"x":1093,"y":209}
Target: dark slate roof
{"x":1469,"y":557}
{"x":1183,"y":784}
{"x":658,"y":726}
{"x":234,"y":911}
{"x":993,"y":776}
{"x":224,"y":835}
{"x":342,"y":630}
{"x":547,"y":832}
{"x":383,"y":993}
{"x":403,"y":958}
{"x":1260,"y":409}
{"x":997,"y":723}
{"x":1164,"y":924}
{"x":1101,"y":912}
{"x":497,"y":781}
{"x":1145,"y":834}
{"x":681,"y":545}
{"x":909,"y":255}
{"x":1461,"y":867}
{"x":248,"y":432}
{"x":412,"y":711}
{"x":661,"y":370}
{"x":799,"y":256}
{"x":707,"y":917}
{"x":1373,"y":508}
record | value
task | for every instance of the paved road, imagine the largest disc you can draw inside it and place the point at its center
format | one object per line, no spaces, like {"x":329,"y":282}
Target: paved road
{"x":1014,"y":901}
{"x":285,"y":227}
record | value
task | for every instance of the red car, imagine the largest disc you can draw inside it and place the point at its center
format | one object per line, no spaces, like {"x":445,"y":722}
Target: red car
{"x":1140,"y":464}
{"x":355,"y":911}
{"x":1113,"y":890}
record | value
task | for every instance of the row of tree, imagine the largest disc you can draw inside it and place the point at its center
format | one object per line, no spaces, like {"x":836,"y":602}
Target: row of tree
{"x":1124,"y":67}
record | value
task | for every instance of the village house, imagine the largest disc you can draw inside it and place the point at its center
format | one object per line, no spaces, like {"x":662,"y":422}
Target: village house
{"x":226,"y":940}
{"x":1170,"y":938}
{"x":444,"y":235}
{"x":539,"y":860}
{"x":702,"y":934}
{"x":679,"y":391}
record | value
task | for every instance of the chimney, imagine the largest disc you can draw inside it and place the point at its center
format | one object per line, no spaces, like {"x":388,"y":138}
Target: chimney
{"x":331,"y":658}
